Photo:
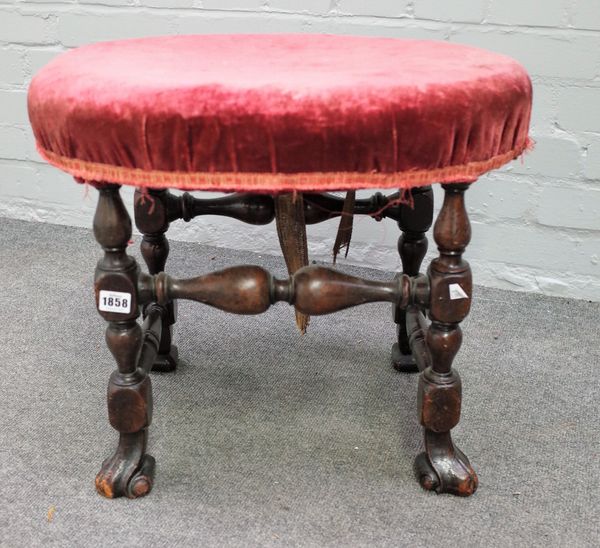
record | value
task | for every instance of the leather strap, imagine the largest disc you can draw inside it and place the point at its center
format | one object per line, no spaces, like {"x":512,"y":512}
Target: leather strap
{"x":291,"y":229}
{"x":344,"y":233}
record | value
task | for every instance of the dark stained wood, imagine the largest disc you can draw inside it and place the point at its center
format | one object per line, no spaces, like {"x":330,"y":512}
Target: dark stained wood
{"x":442,"y":467}
{"x":129,"y":401}
{"x":239,"y":289}
{"x":439,"y":399}
{"x":319,"y":290}
{"x":152,"y":212}
{"x":416,"y":327}
{"x":414,"y":222}
{"x":321,"y":207}
{"x":258,"y":209}
{"x":152,"y":330}
{"x":444,"y":293}
{"x":128,"y":472}
{"x":314,"y":290}
{"x":116,"y":271}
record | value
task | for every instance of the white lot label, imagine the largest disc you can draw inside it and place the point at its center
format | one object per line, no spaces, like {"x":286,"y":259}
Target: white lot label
{"x":457,"y":292}
{"x":115,"y":301}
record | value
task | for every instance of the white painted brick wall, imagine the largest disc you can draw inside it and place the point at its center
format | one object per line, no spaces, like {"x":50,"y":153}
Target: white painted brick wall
{"x":12,"y":66}
{"x":19,"y":28}
{"x":550,"y":55}
{"x":13,"y":107}
{"x":591,"y":168}
{"x":241,"y":5}
{"x":585,"y":15}
{"x":536,"y":223}
{"x":578,"y":109}
{"x":465,"y":11}
{"x":549,"y":13}
{"x":293,"y":6}
{"x":379,"y":8}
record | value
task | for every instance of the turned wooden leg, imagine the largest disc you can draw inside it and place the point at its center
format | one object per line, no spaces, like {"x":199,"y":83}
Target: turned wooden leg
{"x":129,"y":471}
{"x":412,"y":246}
{"x":442,"y":467}
{"x":152,"y":220}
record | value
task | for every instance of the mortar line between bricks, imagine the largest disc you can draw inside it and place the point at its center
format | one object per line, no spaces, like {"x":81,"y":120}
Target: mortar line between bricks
{"x":32,"y":9}
{"x":569,"y":8}
{"x":486,"y":11}
{"x":81,"y":9}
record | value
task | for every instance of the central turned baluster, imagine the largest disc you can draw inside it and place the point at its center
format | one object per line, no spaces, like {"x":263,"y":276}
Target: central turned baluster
{"x":443,"y":467}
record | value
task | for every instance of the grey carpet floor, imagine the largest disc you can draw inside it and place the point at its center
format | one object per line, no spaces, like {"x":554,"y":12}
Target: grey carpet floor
{"x":266,"y":438}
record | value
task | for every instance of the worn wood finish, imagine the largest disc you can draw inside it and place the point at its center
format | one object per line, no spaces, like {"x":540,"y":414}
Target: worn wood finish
{"x":321,"y":207}
{"x":129,"y":471}
{"x":257,"y":209}
{"x":442,"y":467}
{"x":445,"y":293}
{"x":414,"y":222}
{"x":152,"y":212}
{"x":314,"y":290}
{"x":416,"y":328}
{"x":152,"y":333}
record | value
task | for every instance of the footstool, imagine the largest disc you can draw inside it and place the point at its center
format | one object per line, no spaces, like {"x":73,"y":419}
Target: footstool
{"x":279,"y":121}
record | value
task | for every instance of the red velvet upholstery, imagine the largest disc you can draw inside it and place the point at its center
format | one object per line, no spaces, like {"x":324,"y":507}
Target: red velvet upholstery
{"x":271,"y":113}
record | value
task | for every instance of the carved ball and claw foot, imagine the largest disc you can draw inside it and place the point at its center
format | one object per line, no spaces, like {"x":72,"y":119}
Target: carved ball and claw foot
{"x":130,"y":471}
{"x":444,"y":468}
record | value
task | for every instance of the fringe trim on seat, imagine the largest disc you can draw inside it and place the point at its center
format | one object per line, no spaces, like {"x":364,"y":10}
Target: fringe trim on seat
{"x":276,"y":182}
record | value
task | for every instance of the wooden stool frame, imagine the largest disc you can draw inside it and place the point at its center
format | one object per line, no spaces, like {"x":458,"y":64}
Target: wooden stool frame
{"x":428,"y":309}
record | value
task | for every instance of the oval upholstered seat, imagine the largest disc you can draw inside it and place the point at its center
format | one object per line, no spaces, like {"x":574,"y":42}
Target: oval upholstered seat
{"x":272,"y":113}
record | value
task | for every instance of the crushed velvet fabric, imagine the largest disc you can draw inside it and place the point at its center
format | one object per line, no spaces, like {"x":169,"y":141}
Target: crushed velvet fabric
{"x":278,"y":113}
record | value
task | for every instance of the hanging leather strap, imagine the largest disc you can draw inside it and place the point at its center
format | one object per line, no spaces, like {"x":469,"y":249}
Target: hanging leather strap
{"x":291,"y":229}
{"x":344,"y":233}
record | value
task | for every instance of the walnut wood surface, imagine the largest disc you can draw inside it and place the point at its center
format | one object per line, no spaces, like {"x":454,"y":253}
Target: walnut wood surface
{"x":321,"y":207}
{"x":414,"y":222}
{"x":256,"y":209}
{"x":152,"y":219}
{"x":152,"y":335}
{"x":416,"y":328}
{"x":128,"y":472}
{"x":443,"y":467}
{"x":239,"y":289}
{"x":319,"y":290}
{"x":314,"y":290}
